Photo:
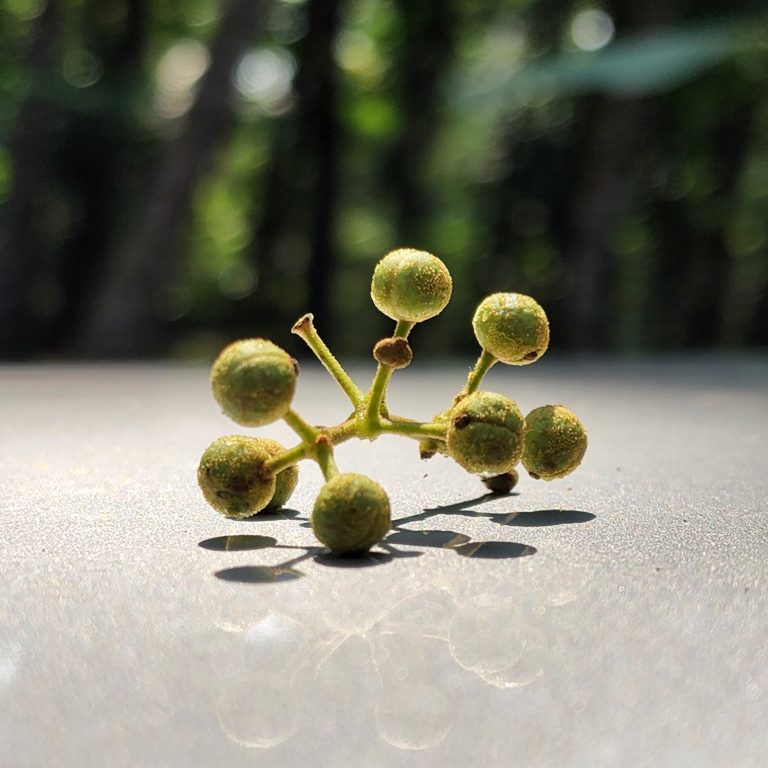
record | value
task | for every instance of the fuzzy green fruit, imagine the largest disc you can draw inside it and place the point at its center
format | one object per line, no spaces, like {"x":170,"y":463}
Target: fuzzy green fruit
{"x":351,"y":513}
{"x":285,"y":480}
{"x":512,"y":327}
{"x":411,"y":285}
{"x":254,"y":380}
{"x":485,"y":433}
{"x":555,"y":442}
{"x":233,"y":477}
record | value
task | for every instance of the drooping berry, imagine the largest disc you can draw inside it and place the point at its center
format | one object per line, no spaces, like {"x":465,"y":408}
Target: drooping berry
{"x":285,"y":480}
{"x":411,"y":285}
{"x":233,"y":477}
{"x":512,"y":327}
{"x":485,"y":433}
{"x":351,"y":513}
{"x":253,"y":381}
{"x":555,"y":442}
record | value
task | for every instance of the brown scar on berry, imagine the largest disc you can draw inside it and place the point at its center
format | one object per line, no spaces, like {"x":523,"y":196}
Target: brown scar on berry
{"x":295,"y":364}
{"x":531,"y":355}
{"x":462,"y":420}
{"x":239,"y":485}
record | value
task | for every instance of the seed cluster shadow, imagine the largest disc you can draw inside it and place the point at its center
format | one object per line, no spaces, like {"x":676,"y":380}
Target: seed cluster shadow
{"x":459,"y":543}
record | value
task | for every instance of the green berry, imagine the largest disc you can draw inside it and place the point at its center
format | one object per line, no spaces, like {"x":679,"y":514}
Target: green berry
{"x":285,"y":480}
{"x":253,"y":381}
{"x":351,"y":513}
{"x":233,"y":477}
{"x":512,"y":327}
{"x":411,"y":285}
{"x":485,"y":433}
{"x":555,"y":442}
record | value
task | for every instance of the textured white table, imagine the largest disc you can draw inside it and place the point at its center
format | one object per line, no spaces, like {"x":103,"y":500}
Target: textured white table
{"x":617,"y":617}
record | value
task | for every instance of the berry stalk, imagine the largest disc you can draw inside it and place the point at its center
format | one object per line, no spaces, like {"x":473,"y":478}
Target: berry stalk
{"x":305,"y":328}
{"x":484,"y":363}
{"x":375,"y":397}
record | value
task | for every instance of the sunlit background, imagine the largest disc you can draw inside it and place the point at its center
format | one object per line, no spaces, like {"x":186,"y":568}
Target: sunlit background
{"x":177,"y":174}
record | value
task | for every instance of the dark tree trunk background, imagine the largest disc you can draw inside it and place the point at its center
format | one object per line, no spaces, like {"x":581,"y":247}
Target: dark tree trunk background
{"x":425,"y":52}
{"x":23,"y":249}
{"x":606,"y":176}
{"x":97,"y":154}
{"x":124,"y":321}
{"x":299,"y":193}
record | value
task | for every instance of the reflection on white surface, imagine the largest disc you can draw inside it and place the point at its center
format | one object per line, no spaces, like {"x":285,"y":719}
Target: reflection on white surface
{"x":255,"y":669}
{"x":413,"y":716}
{"x":257,"y":711}
{"x":413,"y":703}
{"x":10,"y":659}
{"x":397,"y":659}
{"x":486,"y":638}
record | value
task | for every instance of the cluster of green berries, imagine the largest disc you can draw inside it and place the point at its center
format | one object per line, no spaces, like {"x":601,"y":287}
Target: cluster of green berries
{"x":254,"y":382}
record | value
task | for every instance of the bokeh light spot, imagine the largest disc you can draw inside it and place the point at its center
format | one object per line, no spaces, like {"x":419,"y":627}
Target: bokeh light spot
{"x":592,"y":30}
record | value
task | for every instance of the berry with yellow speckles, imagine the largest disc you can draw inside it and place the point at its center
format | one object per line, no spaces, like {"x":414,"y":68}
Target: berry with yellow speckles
{"x":411,"y":285}
{"x":555,"y":442}
{"x":512,"y":327}
{"x":234,"y":478}
{"x":485,"y":433}
{"x":351,"y":513}
{"x":253,"y":381}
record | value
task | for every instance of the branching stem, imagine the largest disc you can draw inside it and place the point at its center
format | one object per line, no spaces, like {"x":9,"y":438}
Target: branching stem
{"x":305,"y":328}
{"x":305,"y":431}
{"x":484,"y":364}
{"x":375,"y":398}
{"x":370,"y":418}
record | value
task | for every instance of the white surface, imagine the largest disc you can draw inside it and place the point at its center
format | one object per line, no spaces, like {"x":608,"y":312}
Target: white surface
{"x":637,"y":637}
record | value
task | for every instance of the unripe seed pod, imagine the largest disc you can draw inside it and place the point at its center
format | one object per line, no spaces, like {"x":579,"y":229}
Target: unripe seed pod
{"x":285,"y":480}
{"x":512,"y":327}
{"x":485,"y":434}
{"x":555,"y":442}
{"x":351,"y":513}
{"x":233,"y":477}
{"x":411,"y":285}
{"x":502,"y":483}
{"x":394,"y":352}
{"x":253,"y":381}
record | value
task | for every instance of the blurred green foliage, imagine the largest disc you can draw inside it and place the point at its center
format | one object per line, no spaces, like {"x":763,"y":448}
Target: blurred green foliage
{"x":610,"y":160}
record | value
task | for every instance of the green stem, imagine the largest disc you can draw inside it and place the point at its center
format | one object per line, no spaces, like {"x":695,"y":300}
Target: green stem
{"x":484,"y":364}
{"x":304,"y":430}
{"x":324,"y":456}
{"x":415,"y":429}
{"x":305,"y":328}
{"x":375,"y":396}
{"x":343,"y":432}
{"x":288,"y":458}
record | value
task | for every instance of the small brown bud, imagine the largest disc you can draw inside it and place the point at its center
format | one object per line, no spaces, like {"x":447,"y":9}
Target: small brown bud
{"x":427,"y":448}
{"x":394,"y":352}
{"x":501,"y":483}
